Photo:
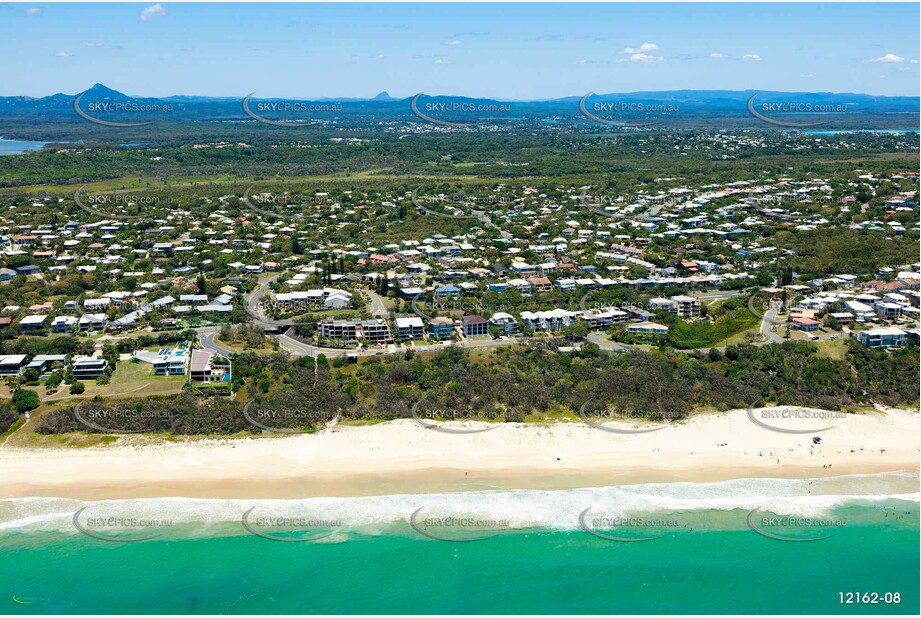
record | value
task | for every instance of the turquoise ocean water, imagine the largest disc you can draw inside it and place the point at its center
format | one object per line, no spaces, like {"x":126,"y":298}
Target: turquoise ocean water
{"x":530,"y":552}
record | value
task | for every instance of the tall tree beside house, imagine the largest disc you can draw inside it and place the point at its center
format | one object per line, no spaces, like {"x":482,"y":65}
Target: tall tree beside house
{"x":786,"y":277}
{"x":296,"y":247}
{"x":201,"y":284}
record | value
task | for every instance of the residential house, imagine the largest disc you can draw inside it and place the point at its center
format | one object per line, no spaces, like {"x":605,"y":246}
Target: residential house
{"x":92,"y":322}
{"x":566,"y":285}
{"x":411,"y":292}
{"x":166,"y":362}
{"x":504,"y":322}
{"x":647,"y":328}
{"x":86,"y":368}
{"x":523,"y":286}
{"x":662,"y":304}
{"x":12,"y":364}
{"x":889,"y":336}
{"x":523,"y":270}
{"x":806,"y":325}
{"x":447,"y":291}
{"x":842,"y":317}
{"x":28,"y":269}
{"x":888,"y":311}
{"x":540,"y":284}
{"x":43,"y":362}
{"x":206,"y":366}
{"x":63,"y":323}
{"x":32,"y":323}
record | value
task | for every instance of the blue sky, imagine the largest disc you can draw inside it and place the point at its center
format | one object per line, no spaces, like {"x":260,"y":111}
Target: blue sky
{"x":514,"y":51}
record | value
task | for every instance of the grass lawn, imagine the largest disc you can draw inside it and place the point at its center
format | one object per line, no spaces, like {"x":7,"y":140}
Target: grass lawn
{"x":834,"y":349}
{"x":130,"y":379}
{"x":741,"y":337}
{"x":131,"y":374}
{"x":241,"y":347}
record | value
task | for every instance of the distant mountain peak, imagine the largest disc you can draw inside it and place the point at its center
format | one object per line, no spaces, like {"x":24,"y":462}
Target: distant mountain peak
{"x":383,"y":96}
{"x":101,"y":90}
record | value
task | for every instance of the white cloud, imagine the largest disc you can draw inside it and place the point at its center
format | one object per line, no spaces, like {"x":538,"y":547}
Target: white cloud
{"x":152,"y":11}
{"x":645,"y":58}
{"x":718,"y":56}
{"x":33,"y":11}
{"x":888,"y":58}
{"x":752,"y":57}
{"x":62,"y":54}
{"x":440,"y":61}
{"x":453,"y":42}
{"x":645,"y":47}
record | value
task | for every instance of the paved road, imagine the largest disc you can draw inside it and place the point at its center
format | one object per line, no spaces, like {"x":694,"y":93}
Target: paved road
{"x":207,"y":336}
{"x":378,"y":307}
{"x":254,"y":305}
{"x":766,"y":326}
{"x":298,"y":348}
{"x":598,"y":338}
{"x":720,"y":295}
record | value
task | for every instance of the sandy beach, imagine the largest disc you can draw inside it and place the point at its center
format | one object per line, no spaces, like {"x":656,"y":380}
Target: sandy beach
{"x":404,"y":457}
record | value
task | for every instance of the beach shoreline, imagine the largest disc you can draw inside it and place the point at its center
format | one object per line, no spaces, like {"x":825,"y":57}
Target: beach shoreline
{"x":402,"y":457}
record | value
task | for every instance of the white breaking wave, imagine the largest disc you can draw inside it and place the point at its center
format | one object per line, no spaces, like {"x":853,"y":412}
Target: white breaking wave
{"x":508,"y":509}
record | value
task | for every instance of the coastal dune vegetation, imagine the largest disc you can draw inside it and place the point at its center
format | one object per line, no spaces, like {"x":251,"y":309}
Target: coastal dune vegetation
{"x":535,"y":383}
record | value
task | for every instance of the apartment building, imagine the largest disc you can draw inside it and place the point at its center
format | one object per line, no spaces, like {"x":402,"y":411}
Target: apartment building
{"x":374,"y":331}
{"x":441,"y":328}
{"x":474,"y":326}
{"x":686,"y":306}
{"x":554,"y":319}
{"x":410,"y":328}
{"x":604,"y":318}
